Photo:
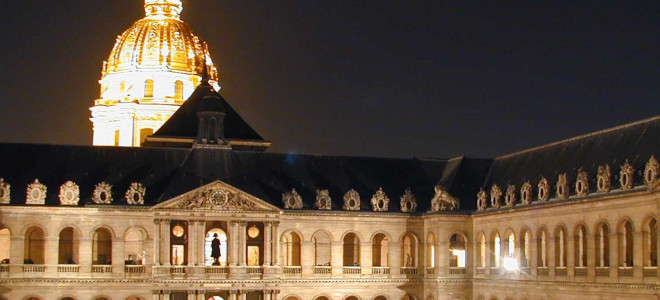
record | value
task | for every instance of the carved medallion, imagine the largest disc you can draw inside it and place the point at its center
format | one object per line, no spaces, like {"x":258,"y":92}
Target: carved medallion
{"x":69,"y":193}
{"x":408,"y":201}
{"x":351,"y":200}
{"x":510,"y":197}
{"x":482,"y":200}
{"x":604,"y":179}
{"x":495,"y":196}
{"x":102,"y":193}
{"x":443,"y":200}
{"x":582,"y":183}
{"x":544,"y":190}
{"x":626,"y":176}
{"x":561,"y":187}
{"x":323,"y":200}
{"x":5,"y":192}
{"x":380,"y":201}
{"x":651,"y":172}
{"x":526,"y":193}
{"x":292,"y":200}
{"x":36,"y":193}
{"x":135,"y":194}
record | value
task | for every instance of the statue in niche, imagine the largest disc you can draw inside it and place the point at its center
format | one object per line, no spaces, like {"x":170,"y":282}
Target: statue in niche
{"x":215,"y":250}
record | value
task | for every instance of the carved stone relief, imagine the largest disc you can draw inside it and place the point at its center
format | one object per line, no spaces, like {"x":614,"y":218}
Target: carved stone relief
{"x":651,"y":171}
{"x":510,"y":197}
{"x":69,"y":193}
{"x":380,"y":201}
{"x":323,"y":200}
{"x":443,"y":200}
{"x":292,"y":200}
{"x":36,"y":193}
{"x":351,"y":200}
{"x":582,"y":183}
{"x":561,"y":188}
{"x":604,"y":179}
{"x":544,"y":190}
{"x":626,"y":176}
{"x":135,"y":194}
{"x":5,"y":192}
{"x":102,"y":193}
{"x":215,"y":199}
{"x":482,"y":200}
{"x":408,"y":201}
{"x":495,"y":196}
{"x":526,"y":193}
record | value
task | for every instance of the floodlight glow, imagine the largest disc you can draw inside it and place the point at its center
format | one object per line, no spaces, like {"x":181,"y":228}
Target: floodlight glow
{"x":510,"y":264}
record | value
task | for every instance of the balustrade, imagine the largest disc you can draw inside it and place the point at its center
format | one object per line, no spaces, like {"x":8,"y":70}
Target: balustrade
{"x":625,"y":271}
{"x":134,"y":269}
{"x":102,"y":269}
{"x":580,"y":271}
{"x":603,"y":271}
{"x":561,"y":271}
{"x":408,"y":271}
{"x":34,"y":268}
{"x":322,"y":270}
{"x":68,"y":268}
{"x":352,"y":270}
{"x":650,"y":271}
{"x":457,"y":271}
{"x":291,"y":270}
{"x":380,"y":270}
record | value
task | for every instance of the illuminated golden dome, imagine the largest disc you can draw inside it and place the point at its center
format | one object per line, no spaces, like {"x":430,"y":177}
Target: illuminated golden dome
{"x":160,"y":41}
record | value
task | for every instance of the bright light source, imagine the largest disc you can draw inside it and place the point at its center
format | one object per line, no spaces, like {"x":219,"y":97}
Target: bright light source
{"x":510,"y":264}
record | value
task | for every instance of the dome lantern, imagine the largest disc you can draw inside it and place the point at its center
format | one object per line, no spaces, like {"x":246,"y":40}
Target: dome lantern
{"x":165,"y":8}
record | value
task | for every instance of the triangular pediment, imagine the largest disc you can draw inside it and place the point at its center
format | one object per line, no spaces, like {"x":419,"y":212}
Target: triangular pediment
{"x":217,"y":196}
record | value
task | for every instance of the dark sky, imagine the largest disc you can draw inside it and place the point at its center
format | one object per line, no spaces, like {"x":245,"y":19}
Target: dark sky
{"x":352,"y":77}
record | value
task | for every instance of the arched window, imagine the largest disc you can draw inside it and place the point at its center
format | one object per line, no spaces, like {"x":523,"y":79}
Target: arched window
{"x":321,"y":249}
{"x":380,"y":251}
{"x":525,"y":248}
{"x":32,"y":298}
{"x":602,"y":246}
{"x":542,"y":249}
{"x":580,"y":246}
{"x":67,"y":298}
{"x":134,"y":247}
{"x":5,"y":243}
{"x":321,"y":298}
{"x":138,"y":298}
{"x":291,"y":249}
{"x":144,"y":133}
{"x":178,"y":89}
{"x":408,"y":297}
{"x":101,"y":298}
{"x":457,"y":253}
{"x":651,"y":244}
{"x":430,"y":251}
{"x":34,"y":246}
{"x":351,"y":250}
{"x":560,"y":247}
{"x":149,"y":88}
{"x":481,"y":257}
{"x":68,"y":246}
{"x":380,"y":298}
{"x":351,"y":298}
{"x":291,"y":298}
{"x":626,"y":245}
{"x":102,"y":247}
{"x":215,"y":298}
{"x":511,"y":245}
{"x":497,"y":251}
{"x":208,"y":247}
{"x":409,"y":251}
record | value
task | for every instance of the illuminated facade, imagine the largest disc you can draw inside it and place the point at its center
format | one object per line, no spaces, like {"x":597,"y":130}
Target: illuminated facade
{"x":153,"y":68}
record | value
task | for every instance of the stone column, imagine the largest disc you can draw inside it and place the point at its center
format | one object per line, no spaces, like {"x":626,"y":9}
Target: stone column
{"x":276,"y":243}
{"x":267,"y":243}
{"x":551,"y":243}
{"x":51,"y":255}
{"x":157,"y":228}
{"x":394,"y":254}
{"x":191,"y":295}
{"x":365,"y":257}
{"x":533,"y":255}
{"x":242,"y":295}
{"x":443,"y":257}
{"x":192,"y":242}
{"x":267,"y":295}
{"x":307,"y":258}
{"x":336,"y":257}
{"x":232,"y":295}
{"x":166,"y":295}
{"x":85,"y":255}
{"x":16,"y":254}
{"x":165,"y":242}
{"x":614,"y":253}
{"x":201,"y":295}
{"x":118,"y":256}
{"x":591,"y":255}
{"x":155,"y":295}
{"x":242,"y":249}
{"x":571,"y":263}
{"x":233,"y":243}
{"x":275,"y":295}
{"x":638,"y":250}
{"x":201,"y":243}
{"x":436,"y":256}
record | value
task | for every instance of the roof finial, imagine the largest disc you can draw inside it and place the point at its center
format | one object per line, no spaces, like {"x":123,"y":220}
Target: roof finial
{"x":165,"y":8}
{"x":205,"y":72}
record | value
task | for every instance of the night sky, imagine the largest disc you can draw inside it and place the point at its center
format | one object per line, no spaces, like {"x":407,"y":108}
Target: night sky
{"x":368,"y":78}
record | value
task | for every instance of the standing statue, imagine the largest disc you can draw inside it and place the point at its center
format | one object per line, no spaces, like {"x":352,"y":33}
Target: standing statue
{"x":215,"y":250}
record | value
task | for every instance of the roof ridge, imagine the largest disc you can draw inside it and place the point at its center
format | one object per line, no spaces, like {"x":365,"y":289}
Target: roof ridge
{"x":654,"y":118}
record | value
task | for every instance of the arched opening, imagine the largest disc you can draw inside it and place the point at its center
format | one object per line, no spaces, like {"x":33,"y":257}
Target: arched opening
{"x":67,"y":298}
{"x":138,"y":298}
{"x":134,"y":247}
{"x":430,"y":251}
{"x":34,"y":246}
{"x":380,"y":251}
{"x":144,"y":133}
{"x":178,"y":243}
{"x":321,"y":249}
{"x":351,"y":298}
{"x":321,"y":298}
{"x":525,"y":248}
{"x":560,"y":247}
{"x":149,"y":88}
{"x":408,"y":297}
{"x":626,"y":245}
{"x":211,"y":133}
{"x":511,"y":245}
{"x":32,"y":298}
{"x":542,"y":249}
{"x":651,"y":244}
{"x":215,"y":298}
{"x":602,"y":246}
{"x":5,"y":243}
{"x":409,"y":251}
{"x":481,"y":248}
{"x":351,"y":250}
{"x":102,"y":247}
{"x":457,"y":253}
{"x":68,"y":247}
{"x":580,"y":246}
{"x":380,"y":298}
{"x":291,"y":298}
{"x":497,"y":251}
{"x":291,"y":249}
{"x":101,"y":298}
{"x":178,"y":89}
{"x":220,"y":247}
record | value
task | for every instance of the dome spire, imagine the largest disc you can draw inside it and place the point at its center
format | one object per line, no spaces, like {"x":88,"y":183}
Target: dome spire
{"x":165,"y":8}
